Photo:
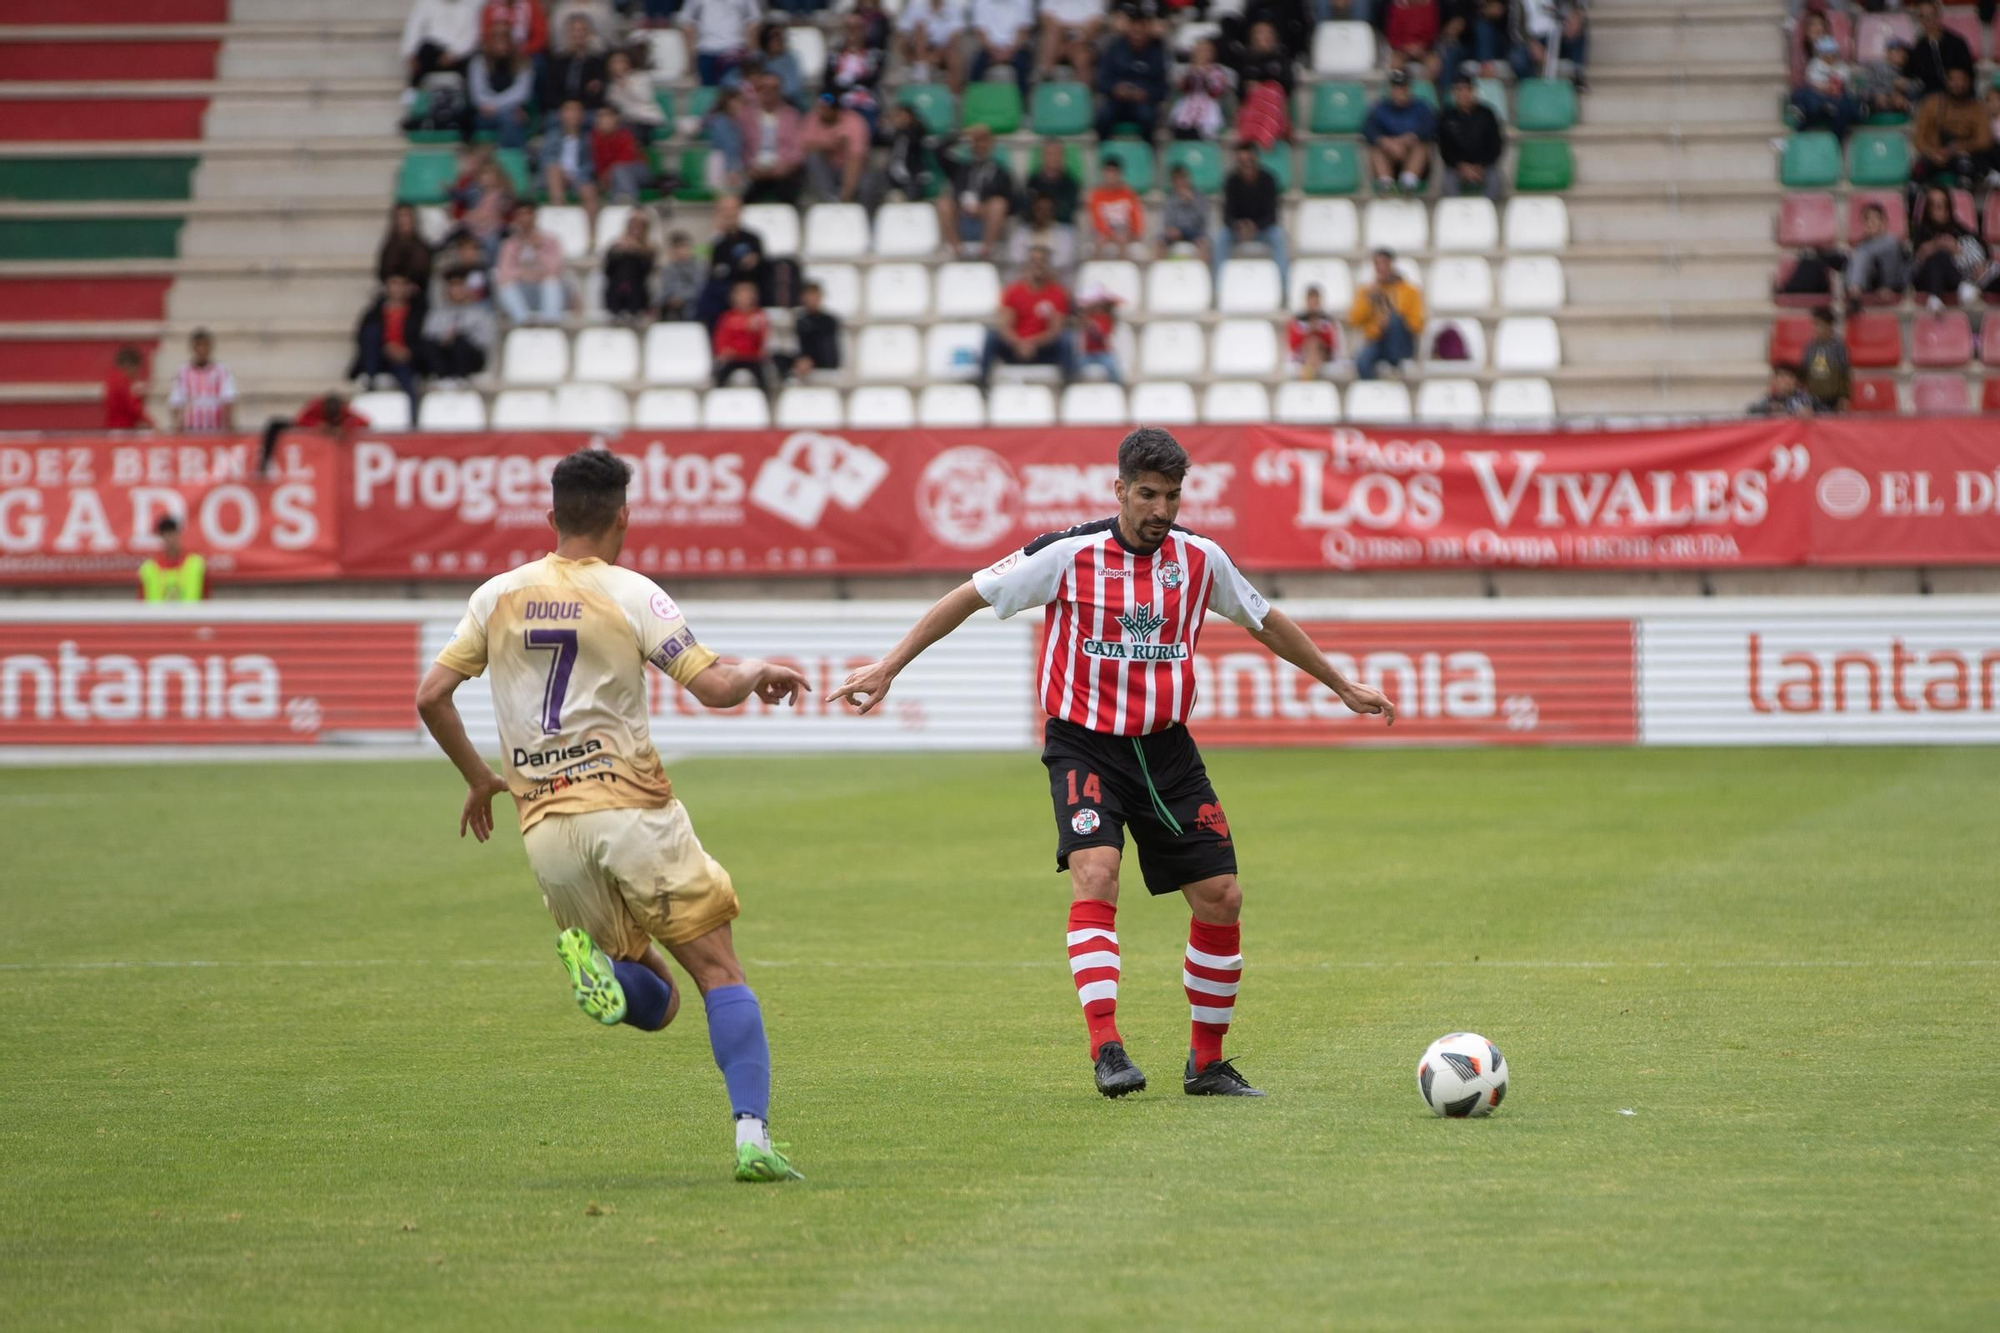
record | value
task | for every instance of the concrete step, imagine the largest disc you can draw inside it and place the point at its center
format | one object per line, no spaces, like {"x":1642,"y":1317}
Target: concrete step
{"x":292,"y":119}
{"x":1702,"y":161}
{"x":307,"y":58}
{"x":1695,"y":339}
{"x":292,"y":176}
{"x":1669,"y":217}
{"x":1693,"y":39}
{"x":291,"y":11}
{"x":1655,"y":101}
{"x":1665,"y":278}
{"x":302,"y":296}
{"x":276,"y":236}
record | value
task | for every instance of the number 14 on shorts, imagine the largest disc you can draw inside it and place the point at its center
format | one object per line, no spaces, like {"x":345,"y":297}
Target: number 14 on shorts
{"x":1091,"y":791}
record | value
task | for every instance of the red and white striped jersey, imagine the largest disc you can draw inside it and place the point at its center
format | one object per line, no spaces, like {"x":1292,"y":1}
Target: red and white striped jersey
{"x":203,"y":393}
{"x":1122,"y":623}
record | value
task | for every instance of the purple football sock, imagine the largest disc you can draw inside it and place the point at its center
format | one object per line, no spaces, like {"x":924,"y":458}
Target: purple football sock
{"x":736,"y":1034}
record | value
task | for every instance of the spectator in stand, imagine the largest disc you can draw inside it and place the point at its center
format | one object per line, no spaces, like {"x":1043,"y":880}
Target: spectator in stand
{"x":577,"y":71}
{"x":818,"y":332}
{"x":1946,"y":253}
{"x":1880,"y":263}
{"x":908,"y":165}
{"x":125,"y":392}
{"x":1097,"y":322}
{"x":1490,"y":37}
{"x":735,"y":254}
{"x":1205,"y":89}
{"x":499,"y":84}
{"x":465,"y":258}
{"x":1003,"y":33}
{"x":773,"y":134}
{"x":927,"y":39}
{"x":1266,"y":77}
{"x":1132,"y":80}
{"x":628,"y":271}
{"x":1411,"y":28}
{"x":1937,"y":50}
{"x":1250,"y":212}
{"x":1812,"y":273}
{"x":1068,"y":35}
{"x":458,"y":332}
{"x":175,"y":574}
{"x":1389,"y":315}
{"x":1470,"y":141}
{"x":526,"y":26}
{"x":1314,"y":340}
{"x":1784,"y":398}
{"x":203,"y":397}
{"x":330,"y":415}
{"x":722,"y":127}
{"x":877,"y":26}
{"x":438,"y":37}
{"x":1400,"y":131}
{"x":719,"y":32}
{"x":1185,"y":217}
{"x":854,"y":71}
{"x":629,"y":90}
{"x":484,"y":206}
{"x":680,"y":280}
{"x":1823,"y":101}
{"x":773,"y":56}
{"x":1884,"y":87}
{"x":1953,"y":134}
{"x":741,"y":336}
{"x":1044,"y":231}
{"x":973,"y":212}
{"x":567,"y":165}
{"x":621,"y":168}
{"x":1455,"y":34}
{"x":387,"y":340}
{"x":529,"y":277}
{"x":835,"y":141}
{"x":403,"y":251}
{"x":1824,"y":369}
{"x":1540,"y":25}
{"x":1052,"y":178}
{"x":1033,"y":319}
{"x":1117,"y":218}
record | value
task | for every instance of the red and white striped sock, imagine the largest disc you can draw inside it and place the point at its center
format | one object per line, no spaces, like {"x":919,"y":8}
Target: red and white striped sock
{"x":1213,"y":971}
{"x":1093,"y":965}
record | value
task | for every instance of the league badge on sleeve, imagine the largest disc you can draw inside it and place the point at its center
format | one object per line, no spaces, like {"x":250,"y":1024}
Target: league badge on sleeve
{"x":1170,"y":574}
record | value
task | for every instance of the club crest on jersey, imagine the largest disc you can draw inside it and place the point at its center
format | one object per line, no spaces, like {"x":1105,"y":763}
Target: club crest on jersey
{"x":1085,"y":821}
{"x":1170,"y":574}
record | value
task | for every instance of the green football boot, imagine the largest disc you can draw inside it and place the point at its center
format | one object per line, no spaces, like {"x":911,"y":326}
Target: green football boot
{"x":598,"y":993}
{"x":754,"y":1163}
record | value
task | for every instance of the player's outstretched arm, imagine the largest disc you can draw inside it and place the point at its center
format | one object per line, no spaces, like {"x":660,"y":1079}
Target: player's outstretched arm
{"x":865,"y":689}
{"x":447,"y":728}
{"x":1282,"y":635}
{"x":725,"y":685}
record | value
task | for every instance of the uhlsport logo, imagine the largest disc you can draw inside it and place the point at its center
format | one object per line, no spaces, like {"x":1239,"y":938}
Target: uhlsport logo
{"x":1085,"y":821}
{"x":968,"y":497}
{"x":1170,"y":574}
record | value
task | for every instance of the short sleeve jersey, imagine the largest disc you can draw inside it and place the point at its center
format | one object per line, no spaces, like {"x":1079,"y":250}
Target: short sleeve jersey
{"x":1121,"y":624}
{"x":567,"y":642}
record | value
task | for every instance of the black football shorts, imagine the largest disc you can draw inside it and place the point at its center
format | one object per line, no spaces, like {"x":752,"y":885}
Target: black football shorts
{"x":1156,"y":785}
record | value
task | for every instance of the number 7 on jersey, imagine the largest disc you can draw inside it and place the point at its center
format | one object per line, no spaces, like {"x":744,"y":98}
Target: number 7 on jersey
{"x":563,"y":641}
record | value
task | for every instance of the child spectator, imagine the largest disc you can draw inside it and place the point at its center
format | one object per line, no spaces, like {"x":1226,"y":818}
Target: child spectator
{"x":835,"y":140}
{"x":1823,"y":101}
{"x":1315,"y":341}
{"x":1884,"y":87}
{"x":124,"y":392}
{"x":740,"y":338}
{"x":387,"y":339}
{"x":403,"y":252}
{"x":1784,"y":398}
{"x":1097,"y":317}
{"x":1399,"y":132}
{"x":1880,"y":262}
{"x":529,"y":278}
{"x":458,"y":332}
{"x":1411,"y":30}
{"x":1185,"y":219}
{"x":614,"y":151}
{"x":854,"y":70}
{"x":1824,"y":370}
{"x":1265,"y":76}
{"x":723,"y":130}
{"x":465,"y":257}
{"x":818,"y":332}
{"x":628,"y":270}
{"x":680,"y":279}
{"x":629,"y":91}
{"x":566,"y":162}
{"x":1052,"y":178}
{"x":1204,"y":88}
{"x":203,"y":398}
{"x":1117,"y":218}
{"x":499,"y":83}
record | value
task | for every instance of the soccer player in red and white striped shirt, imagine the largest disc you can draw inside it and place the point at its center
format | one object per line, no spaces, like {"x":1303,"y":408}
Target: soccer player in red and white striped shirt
{"x":204,"y":394}
{"x":1125,"y":599}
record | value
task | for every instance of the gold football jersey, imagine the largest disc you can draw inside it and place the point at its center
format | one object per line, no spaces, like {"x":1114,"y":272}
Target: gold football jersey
{"x":567,"y":642}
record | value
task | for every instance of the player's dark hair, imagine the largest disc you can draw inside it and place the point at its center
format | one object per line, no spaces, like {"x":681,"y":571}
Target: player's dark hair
{"x":1150,"y":449}
{"x":589,"y":489}
{"x":166,"y":525}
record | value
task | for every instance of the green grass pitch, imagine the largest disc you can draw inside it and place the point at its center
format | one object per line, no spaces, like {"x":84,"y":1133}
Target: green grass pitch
{"x":1748,"y":998}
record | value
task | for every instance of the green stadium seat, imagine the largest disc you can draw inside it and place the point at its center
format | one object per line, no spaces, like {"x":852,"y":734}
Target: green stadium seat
{"x":1878,"y":157}
{"x":694,"y":176}
{"x":1061,"y":109}
{"x":1811,"y":161}
{"x":426,"y":177}
{"x":1544,"y":166}
{"x":1545,"y":105}
{"x":664,"y":98}
{"x":1278,"y":161}
{"x":994,"y":105}
{"x":702,"y":101}
{"x":1203,"y":161}
{"x":514,"y":161}
{"x":934,"y":105}
{"x":1423,"y":90}
{"x":1338,"y":108}
{"x":1494,"y":94}
{"x":1136,"y":159}
{"x":1332,"y":167}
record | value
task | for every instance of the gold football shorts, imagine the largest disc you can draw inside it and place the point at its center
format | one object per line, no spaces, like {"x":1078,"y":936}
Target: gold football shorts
{"x":630,"y":875}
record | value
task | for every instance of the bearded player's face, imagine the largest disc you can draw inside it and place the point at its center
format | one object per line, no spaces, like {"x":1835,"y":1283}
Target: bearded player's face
{"x":1147,"y":506}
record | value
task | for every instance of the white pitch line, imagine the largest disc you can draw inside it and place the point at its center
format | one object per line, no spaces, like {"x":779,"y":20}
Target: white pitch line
{"x":884,"y":964}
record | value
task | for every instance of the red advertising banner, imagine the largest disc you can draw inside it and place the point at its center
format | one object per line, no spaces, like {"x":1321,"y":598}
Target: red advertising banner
{"x":1925,"y":493}
{"x":204,"y":683}
{"x":74,"y":509}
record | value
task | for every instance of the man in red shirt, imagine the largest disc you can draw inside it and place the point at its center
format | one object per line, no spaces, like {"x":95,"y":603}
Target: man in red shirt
{"x":1033,"y":326}
{"x":740,"y":337}
{"x":124,"y":396}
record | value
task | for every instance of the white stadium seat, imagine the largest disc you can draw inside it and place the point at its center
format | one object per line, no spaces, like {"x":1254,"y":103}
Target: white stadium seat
{"x":1172,"y":349}
{"x":888,"y":354}
{"x":607,"y":356}
{"x":523,"y":409}
{"x":808,"y":45}
{"x":839,"y":287}
{"x":1020,"y":405}
{"x":1378,"y":402}
{"x":900,"y":291}
{"x":1327,"y":227}
{"x":1249,"y":287}
{"x":569,"y":225}
{"x":677,"y":354}
{"x":1120,"y":277}
{"x":1456,"y":402}
{"x":735,"y":409}
{"x":1334,"y":279}
{"x":836,"y":231}
{"x":966,"y":291}
{"x":669,"y":53}
{"x":1467,"y":226}
{"x":385,"y":411}
{"x":1307,"y":403}
{"x":1526,"y":342}
{"x":777,"y":225}
{"x":810,"y":407}
{"x":1532,"y":282}
{"x":1235,"y":401}
{"x":1459,"y":283}
{"x":1343,"y":49}
{"x":1470,"y":331}
{"x":952,"y":351}
{"x":881,"y":407}
{"x":451,"y":409}
{"x":906,"y":231}
{"x":591,"y":407}
{"x":1537,"y":222}
{"x":952,"y":406}
{"x":1178,"y":287}
{"x":611,"y":220}
{"x":1170,"y":402}
{"x":667,"y":409}
{"x":433,"y":223}
{"x":1526,"y":399}
{"x":1244,"y":348}
{"x":535,"y":356}
{"x":1401,"y":225}
{"x":1093,"y":405}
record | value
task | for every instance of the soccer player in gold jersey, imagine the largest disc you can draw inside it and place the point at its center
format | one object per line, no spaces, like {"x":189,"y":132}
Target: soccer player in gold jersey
{"x":567,"y":639}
